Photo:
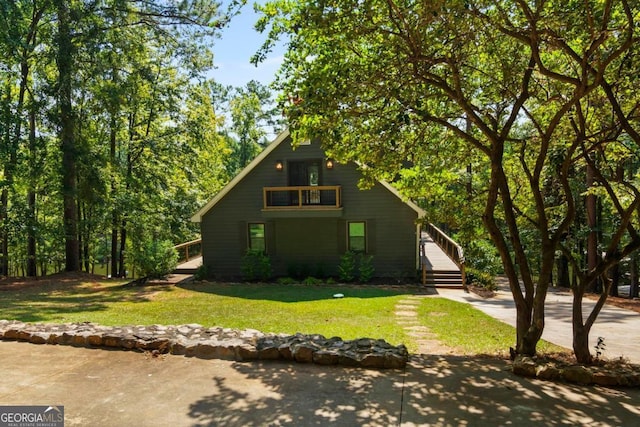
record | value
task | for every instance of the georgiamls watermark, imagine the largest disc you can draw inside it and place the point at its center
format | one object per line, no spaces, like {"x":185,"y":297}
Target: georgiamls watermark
{"x":31,"y":416}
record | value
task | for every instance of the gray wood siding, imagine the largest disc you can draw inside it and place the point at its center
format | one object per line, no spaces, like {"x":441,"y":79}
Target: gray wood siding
{"x":309,"y":243}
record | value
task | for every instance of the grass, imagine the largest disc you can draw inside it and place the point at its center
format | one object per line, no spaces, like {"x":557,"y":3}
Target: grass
{"x":363,"y":312}
{"x":469,"y":330}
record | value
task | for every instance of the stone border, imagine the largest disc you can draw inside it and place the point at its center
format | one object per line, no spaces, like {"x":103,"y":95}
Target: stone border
{"x":195,"y":340}
{"x":532,"y":367}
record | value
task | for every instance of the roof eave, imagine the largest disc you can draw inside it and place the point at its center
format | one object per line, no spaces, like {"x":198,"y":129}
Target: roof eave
{"x":197,"y":217}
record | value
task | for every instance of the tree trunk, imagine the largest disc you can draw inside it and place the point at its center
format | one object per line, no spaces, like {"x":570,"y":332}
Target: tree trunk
{"x":114,"y":213}
{"x":4,"y":235}
{"x":581,"y":345}
{"x":114,"y":248}
{"x":562,"y":267}
{"x":67,"y":138}
{"x":123,"y":243}
{"x":85,"y":238}
{"x":633,"y":288}
{"x":592,"y":239}
{"x":31,"y":194}
{"x":615,"y":279}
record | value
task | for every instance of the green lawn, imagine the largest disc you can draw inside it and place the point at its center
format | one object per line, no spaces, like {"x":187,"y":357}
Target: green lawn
{"x":363,"y":312}
{"x":470,"y":330}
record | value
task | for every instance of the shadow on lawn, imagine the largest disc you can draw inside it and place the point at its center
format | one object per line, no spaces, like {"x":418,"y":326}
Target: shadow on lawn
{"x":433,"y":390}
{"x":40,"y":301}
{"x":295,"y":292}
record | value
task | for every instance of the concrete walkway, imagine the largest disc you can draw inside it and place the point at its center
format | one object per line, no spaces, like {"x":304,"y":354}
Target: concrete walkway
{"x":620,"y":328}
{"x":119,"y":388}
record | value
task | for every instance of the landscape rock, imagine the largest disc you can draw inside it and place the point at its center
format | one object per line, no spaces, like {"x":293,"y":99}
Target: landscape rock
{"x":524,"y":366}
{"x":194,"y":340}
{"x":578,"y":374}
{"x":607,"y":376}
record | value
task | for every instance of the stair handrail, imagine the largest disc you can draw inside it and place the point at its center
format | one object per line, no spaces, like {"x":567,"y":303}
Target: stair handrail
{"x":452,"y":249}
{"x":186,"y":246}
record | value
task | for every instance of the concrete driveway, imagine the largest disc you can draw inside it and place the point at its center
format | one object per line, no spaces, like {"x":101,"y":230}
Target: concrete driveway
{"x":620,"y":328}
{"x":118,"y":388}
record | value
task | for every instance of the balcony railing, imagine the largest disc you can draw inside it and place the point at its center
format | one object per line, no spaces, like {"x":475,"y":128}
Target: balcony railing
{"x":303,"y":197}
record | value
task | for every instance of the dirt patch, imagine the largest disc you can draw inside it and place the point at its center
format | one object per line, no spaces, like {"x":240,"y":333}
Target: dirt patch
{"x":53,"y":281}
{"x":626,"y":303}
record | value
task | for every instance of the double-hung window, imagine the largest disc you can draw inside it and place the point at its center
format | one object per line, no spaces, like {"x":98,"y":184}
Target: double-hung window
{"x":357,"y":236}
{"x":257,"y":237}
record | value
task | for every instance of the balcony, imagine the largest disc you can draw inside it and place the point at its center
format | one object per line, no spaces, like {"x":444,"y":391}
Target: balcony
{"x":312,"y":201}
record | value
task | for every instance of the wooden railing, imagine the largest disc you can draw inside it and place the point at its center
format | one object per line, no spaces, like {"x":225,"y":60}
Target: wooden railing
{"x":302,"y":197}
{"x":453,"y":250}
{"x":189,"y":250}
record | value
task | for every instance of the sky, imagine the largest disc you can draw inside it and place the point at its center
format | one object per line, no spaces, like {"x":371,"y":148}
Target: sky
{"x":232,"y":52}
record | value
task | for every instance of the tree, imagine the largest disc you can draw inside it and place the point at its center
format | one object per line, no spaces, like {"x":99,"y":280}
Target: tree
{"x":519,"y":84}
{"x":252,"y":116}
{"x":104,"y":89}
{"x":179,"y":27}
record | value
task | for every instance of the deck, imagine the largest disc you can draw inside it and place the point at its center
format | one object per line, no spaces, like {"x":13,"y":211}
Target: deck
{"x":434,"y":257}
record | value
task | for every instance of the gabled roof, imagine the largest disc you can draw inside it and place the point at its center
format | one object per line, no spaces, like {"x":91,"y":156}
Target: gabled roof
{"x":244,"y":172}
{"x":197,"y":217}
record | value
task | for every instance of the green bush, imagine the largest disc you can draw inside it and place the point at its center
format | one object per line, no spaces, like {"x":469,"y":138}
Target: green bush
{"x":202,"y":273}
{"x":483,"y":256}
{"x":347,"y":267}
{"x":256,"y":265}
{"x":481,"y":279}
{"x":286,"y":281}
{"x":311,"y":281}
{"x":155,"y":259}
{"x":365,"y":267}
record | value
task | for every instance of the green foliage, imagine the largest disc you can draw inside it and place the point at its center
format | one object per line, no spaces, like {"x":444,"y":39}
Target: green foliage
{"x":202,"y":273}
{"x":286,"y":281}
{"x":481,"y":278}
{"x":155,"y":259}
{"x":143,"y":151}
{"x":354,"y":265}
{"x":510,"y":113}
{"x":365,"y":268}
{"x":312,"y":281}
{"x":482,"y":255}
{"x":347,"y":267}
{"x":256,"y":265}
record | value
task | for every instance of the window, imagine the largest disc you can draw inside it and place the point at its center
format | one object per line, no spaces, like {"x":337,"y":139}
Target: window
{"x":257,"y":241}
{"x":357,"y":236}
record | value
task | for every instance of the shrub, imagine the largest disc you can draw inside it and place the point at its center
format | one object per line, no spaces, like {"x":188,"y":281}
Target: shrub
{"x":366,"y":268}
{"x":202,"y":273}
{"x":347,"y":267}
{"x":256,"y":265}
{"x":155,"y":259}
{"x":483,"y":256}
{"x":311,"y":281}
{"x":481,"y":279}
{"x":286,"y":281}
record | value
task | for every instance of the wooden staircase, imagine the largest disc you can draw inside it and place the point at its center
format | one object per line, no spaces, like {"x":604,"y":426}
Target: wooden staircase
{"x":451,"y":279}
{"x":442,"y":260}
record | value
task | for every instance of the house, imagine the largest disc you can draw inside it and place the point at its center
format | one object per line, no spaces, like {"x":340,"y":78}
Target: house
{"x":305,"y":211}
